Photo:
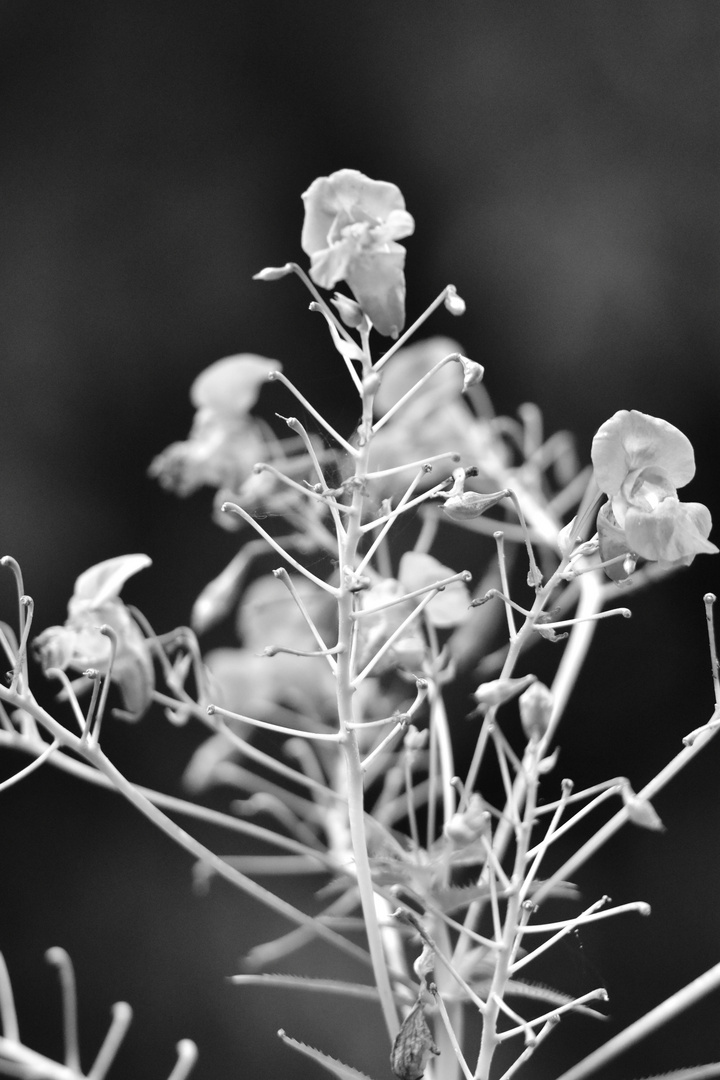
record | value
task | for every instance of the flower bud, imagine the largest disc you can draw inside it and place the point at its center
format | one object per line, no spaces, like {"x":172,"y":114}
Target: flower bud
{"x":498,"y":691}
{"x":472,"y":372}
{"x":641,"y":811}
{"x":454,"y":303}
{"x":470,"y":504}
{"x":349,"y":310}
{"x":273,"y":273}
{"x":465,"y":827}
{"x":536,"y":705}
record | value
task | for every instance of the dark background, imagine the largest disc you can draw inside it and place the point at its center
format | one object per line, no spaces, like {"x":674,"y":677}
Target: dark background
{"x":561,"y":162}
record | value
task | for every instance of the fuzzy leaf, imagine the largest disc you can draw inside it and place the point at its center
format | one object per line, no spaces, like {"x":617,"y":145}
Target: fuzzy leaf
{"x":301,"y":982}
{"x":337,"y":1068}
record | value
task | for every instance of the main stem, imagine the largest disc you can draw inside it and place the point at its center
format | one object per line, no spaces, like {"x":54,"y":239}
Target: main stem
{"x":349,"y":544}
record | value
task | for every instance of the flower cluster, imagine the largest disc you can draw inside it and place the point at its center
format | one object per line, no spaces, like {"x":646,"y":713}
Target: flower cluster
{"x":639,"y":462}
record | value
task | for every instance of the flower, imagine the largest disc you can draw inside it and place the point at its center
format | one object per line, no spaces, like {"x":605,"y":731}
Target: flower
{"x":80,"y":645}
{"x":350,"y":231}
{"x":225,"y":441}
{"x":639,"y":463}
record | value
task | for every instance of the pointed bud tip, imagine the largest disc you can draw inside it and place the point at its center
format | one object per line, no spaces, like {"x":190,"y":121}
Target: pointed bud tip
{"x":273,"y":273}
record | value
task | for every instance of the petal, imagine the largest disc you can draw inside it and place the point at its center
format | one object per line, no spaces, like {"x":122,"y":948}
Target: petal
{"x":54,"y":647}
{"x":612,"y":542}
{"x":632,"y":440}
{"x":350,"y":193}
{"x":378,"y":283}
{"x":232,"y":385}
{"x":330,"y":264}
{"x":673,"y":533}
{"x":398,"y":225}
{"x":104,"y":581}
{"x":133,"y":672}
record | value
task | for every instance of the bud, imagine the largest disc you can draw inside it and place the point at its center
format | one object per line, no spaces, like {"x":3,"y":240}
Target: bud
{"x":465,"y":827}
{"x":566,"y":537}
{"x":413,"y":1045}
{"x":454,"y":303}
{"x":273,"y":273}
{"x":536,"y":705}
{"x":641,"y":811}
{"x":470,"y":504}
{"x":498,"y":691}
{"x":349,"y":310}
{"x":472,"y":372}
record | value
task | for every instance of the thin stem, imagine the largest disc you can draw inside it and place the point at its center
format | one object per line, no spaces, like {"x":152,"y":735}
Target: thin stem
{"x":277,"y":376}
{"x":318,"y":736}
{"x":415,"y":326}
{"x":233,"y":508}
{"x":187,"y":1056}
{"x":647,"y":1024}
{"x":414,"y":389}
{"x":8,"y":1014}
{"x":121,"y":1019}
{"x":60,"y":959}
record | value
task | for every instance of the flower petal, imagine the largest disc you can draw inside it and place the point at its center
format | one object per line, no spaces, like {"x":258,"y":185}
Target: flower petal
{"x":104,"y":581}
{"x":350,"y":193}
{"x":378,"y":283}
{"x":232,"y":385}
{"x":675,"y":532}
{"x":632,"y":440}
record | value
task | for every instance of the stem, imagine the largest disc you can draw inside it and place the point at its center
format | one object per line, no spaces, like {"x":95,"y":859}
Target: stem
{"x":347,"y":721}
{"x":651,"y":1021}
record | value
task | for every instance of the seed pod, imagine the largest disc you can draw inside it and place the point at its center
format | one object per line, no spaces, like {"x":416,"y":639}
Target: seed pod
{"x":470,"y":504}
{"x":413,"y":1045}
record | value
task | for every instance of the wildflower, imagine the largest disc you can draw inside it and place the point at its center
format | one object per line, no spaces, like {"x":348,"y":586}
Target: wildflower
{"x":640,"y":462}
{"x":80,"y":645}
{"x":351,"y":228}
{"x":225,"y":441}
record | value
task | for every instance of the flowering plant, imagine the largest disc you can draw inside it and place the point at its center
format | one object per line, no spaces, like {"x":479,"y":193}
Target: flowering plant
{"x":444,"y":895}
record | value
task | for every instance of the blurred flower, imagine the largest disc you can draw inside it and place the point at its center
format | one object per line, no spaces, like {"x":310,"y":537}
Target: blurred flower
{"x":639,"y":462}
{"x":225,"y":441}
{"x":436,"y":419}
{"x":350,"y":231}
{"x":79,"y":644}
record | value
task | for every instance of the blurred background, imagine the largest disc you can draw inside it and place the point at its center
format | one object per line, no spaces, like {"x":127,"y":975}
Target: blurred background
{"x":561,"y":162}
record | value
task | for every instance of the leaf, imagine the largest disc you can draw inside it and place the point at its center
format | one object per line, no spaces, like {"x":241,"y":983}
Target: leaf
{"x":693,"y":1072}
{"x":344,"y":1072}
{"x":301,"y":982}
{"x":540,"y":992}
{"x":457,"y":896}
